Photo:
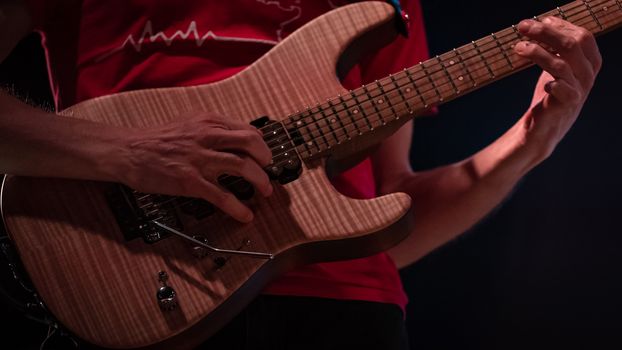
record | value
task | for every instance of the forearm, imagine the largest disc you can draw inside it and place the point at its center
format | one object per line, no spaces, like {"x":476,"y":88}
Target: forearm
{"x":449,"y":200}
{"x":37,"y":143}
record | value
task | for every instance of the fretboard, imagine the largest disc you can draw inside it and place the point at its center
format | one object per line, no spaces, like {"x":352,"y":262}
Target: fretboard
{"x":363,"y":111}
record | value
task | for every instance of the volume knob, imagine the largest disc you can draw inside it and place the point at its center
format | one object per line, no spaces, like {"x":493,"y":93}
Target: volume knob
{"x":166,"y":295}
{"x":167,"y":298}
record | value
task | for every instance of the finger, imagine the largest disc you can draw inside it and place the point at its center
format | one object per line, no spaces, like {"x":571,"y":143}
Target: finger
{"x":238,"y":125}
{"x":225,"y":201}
{"x":564,"y":40}
{"x":243,"y":141}
{"x":247,"y":168}
{"x":563,"y":92}
{"x":552,"y":64}
{"x":583,"y":37}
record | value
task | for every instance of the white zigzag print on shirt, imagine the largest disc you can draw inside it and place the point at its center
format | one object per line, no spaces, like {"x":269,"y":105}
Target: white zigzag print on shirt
{"x":148,"y":34}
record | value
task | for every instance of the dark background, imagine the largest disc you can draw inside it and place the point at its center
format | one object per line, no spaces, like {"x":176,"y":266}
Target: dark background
{"x":542,"y":271}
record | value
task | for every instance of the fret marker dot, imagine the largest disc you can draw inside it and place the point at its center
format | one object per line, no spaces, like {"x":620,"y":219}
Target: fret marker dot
{"x":408,"y":89}
{"x":310,"y":143}
{"x":452,"y":62}
{"x":380,"y":101}
{"x":299,"y":123}
{"x":605,"y":8}
{"x":355,"y":111}
{"x":461,"y":78}
{"x":333,"y":120}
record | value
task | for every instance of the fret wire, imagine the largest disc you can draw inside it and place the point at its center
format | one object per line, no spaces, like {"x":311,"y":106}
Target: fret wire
{"x":425,"y":70}
{"x":513,"y":53}
{"x":387,"y":99}
{"x":298,"y":124}
{"x":410,"y":78}
{"x":356,"y":126}
{"x":465,"y":67}
{"x":335,"y":118}
{"x":428,"y":90}
{"x":373,"y":103}
{"x":310,"y":133}
{"x":318,"y":126}
{"x":536,"y":18}
{"x":328,"y":121}
{"x":561,"y":13}
{"x":502,"y":51}
{"x":589,"y":8}
{"x":401,"y":93}
{"x":360,"y":108}
{"x":616,"y":2}
{"x":518,"y":34}
{"x":347,"y":110}
{"x":451,"y":80}
{"x":482,"y":58}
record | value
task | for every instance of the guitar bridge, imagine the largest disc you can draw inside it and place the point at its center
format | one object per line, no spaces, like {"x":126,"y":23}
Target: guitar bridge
{"x":135,"y":213}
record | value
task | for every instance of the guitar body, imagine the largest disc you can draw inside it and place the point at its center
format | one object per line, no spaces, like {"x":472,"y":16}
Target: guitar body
{"x":102,"y":286}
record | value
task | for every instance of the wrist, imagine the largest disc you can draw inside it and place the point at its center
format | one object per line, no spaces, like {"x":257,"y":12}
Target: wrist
{"x":113,"y":156}
{"x":511,"y":156}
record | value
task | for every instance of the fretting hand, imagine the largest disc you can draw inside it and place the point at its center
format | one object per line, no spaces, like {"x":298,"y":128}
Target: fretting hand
{"x":570,"y":66}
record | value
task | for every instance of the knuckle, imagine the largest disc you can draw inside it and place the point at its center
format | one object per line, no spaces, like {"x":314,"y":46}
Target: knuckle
{"x":250,"y":138}
{"x":584,"y":33}
{"x":537,"y":29}
{"x":569,"y":43}
{"x":213,"y":138}
{"x":246,"y":167}
{"x":575,"y":96}
{"x":224,"y":199}
{"x":585,"y":36}
{"x":559,"y":65}
{"x":234,"y":160}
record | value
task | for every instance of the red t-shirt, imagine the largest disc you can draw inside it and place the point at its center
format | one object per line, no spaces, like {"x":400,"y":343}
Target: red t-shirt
{"x":96,"y":48}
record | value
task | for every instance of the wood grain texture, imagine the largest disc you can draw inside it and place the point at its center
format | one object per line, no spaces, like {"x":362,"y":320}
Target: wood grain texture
{"x":103,"y":288}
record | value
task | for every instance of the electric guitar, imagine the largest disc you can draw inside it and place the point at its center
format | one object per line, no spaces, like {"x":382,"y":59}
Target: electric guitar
{"x":122,"y":269}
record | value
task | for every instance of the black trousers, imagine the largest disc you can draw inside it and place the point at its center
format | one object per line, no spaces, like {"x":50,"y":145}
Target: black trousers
{"x":277,"y":322}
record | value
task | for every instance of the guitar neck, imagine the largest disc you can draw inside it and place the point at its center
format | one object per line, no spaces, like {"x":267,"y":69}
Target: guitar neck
{"x":362,"y":112}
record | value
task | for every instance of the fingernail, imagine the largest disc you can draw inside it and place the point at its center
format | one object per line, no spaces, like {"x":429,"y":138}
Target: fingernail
{"x":249,"y":217}
{"x":548,"y":87}
{"x":524,"y":26}
{"x":521,"y":46}
{"x":547,"y":20}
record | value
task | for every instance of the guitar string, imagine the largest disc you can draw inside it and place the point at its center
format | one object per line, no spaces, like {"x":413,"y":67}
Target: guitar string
{"x":425,"y":76}
{"x":445,"y":84}
{"x":397,"y":105}
{"x":401,"y":104}
{"x":321,"y":109}
{"x":389,"y":94}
